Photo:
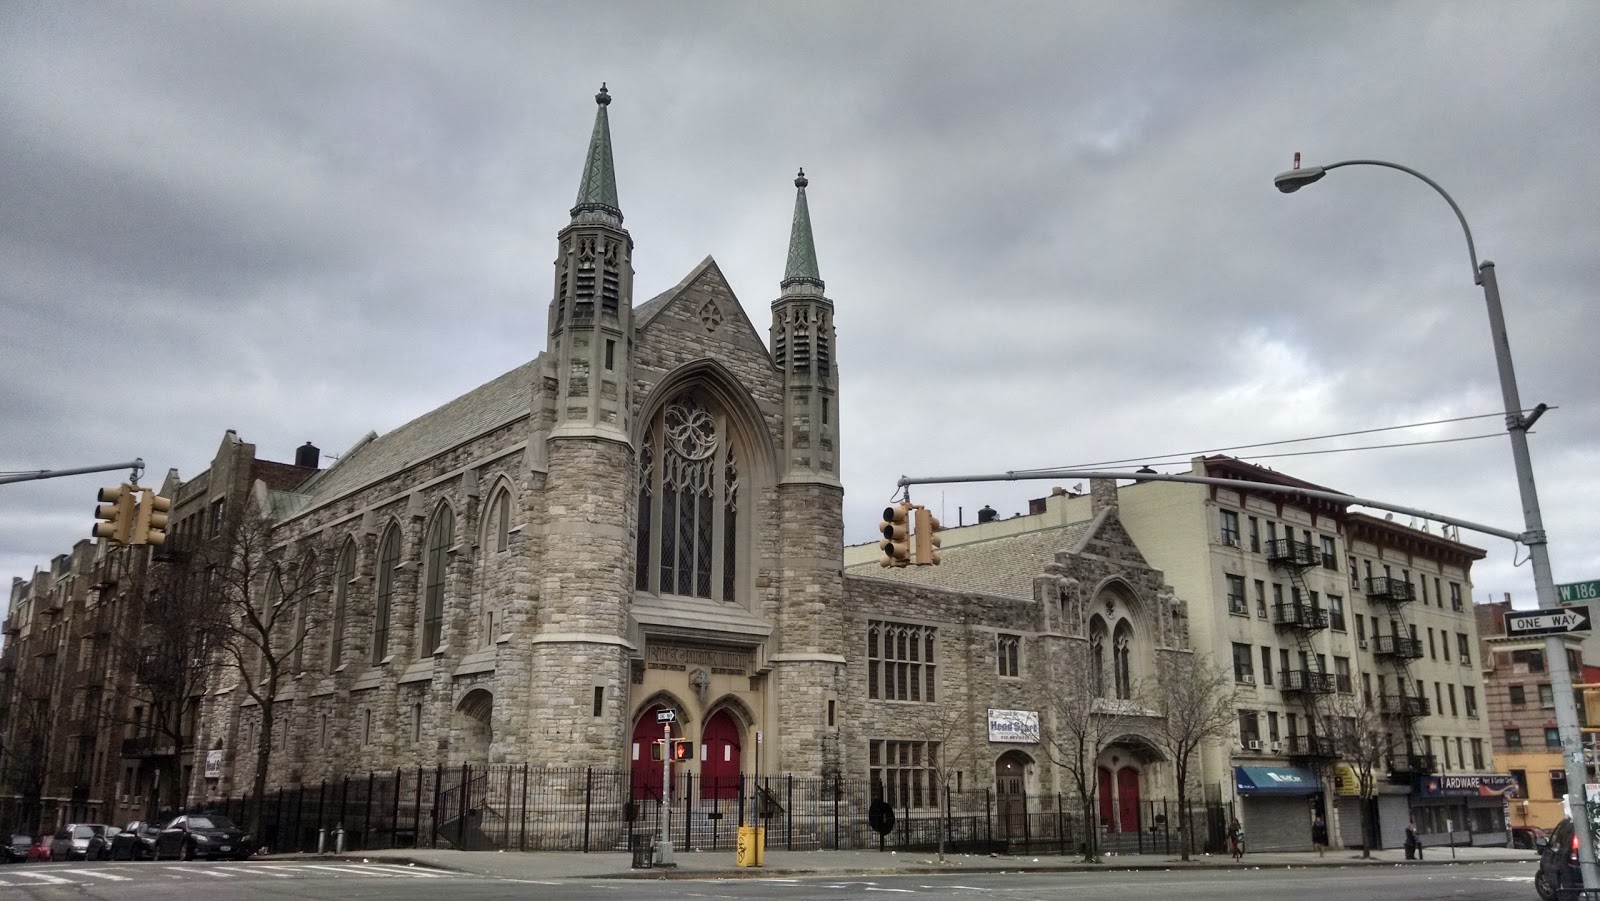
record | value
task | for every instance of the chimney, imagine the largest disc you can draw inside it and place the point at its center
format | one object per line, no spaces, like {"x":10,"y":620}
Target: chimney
{"x":1102,"y":494}
{"x":307,"y":455}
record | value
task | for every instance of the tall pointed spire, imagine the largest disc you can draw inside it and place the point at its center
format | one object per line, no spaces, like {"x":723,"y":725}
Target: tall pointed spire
{"x":800,"y":276}
{"x":597,"y":191}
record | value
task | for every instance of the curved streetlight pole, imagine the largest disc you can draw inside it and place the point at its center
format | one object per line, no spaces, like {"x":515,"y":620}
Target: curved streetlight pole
{"x":1517,"y":424}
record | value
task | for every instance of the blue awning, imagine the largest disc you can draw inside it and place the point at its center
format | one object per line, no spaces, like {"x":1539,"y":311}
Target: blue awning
{"x":1275,"y":780}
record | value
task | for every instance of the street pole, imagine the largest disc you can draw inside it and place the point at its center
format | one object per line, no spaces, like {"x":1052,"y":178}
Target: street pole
{"x":664,"y":846}
{"x":1517,"y":424}
{"x":136,"y":465}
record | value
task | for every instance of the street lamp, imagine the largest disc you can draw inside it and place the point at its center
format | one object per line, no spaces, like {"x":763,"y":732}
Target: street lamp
{"x":1517,"y":424}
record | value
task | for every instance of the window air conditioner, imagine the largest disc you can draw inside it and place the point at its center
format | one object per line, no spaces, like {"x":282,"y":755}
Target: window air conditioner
{"x":1231,"y":542}
{"x":1247,"y":680}
{"x":1277,"y":747}
{"x":1253,"y":744}
{"x":1362,"y":644}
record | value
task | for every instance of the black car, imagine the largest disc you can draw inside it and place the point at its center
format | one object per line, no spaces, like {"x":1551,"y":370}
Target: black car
{"x":100,"y":845}
{"x":202,"y":835}
{"x":136,"y":841}
{"x":1558,"y":863}
{"x":1530,"y":838}
{"x":16,"y":848}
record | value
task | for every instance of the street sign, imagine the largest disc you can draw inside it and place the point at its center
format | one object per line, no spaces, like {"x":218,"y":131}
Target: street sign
{"x":665,"y":716}
{"x":1548,"y":622}
{"x":1571,"y":592}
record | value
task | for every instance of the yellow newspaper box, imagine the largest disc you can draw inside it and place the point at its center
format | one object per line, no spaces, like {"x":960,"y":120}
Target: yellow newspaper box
{"x":749,"y":848}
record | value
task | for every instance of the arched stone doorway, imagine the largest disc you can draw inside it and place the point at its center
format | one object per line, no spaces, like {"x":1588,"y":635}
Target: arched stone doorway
{"x":646,"y":766}
{"x":474,"y":727}
{"x":721,"y":743}
{"x":1011,"y":793}
{"x":1121,"y":772}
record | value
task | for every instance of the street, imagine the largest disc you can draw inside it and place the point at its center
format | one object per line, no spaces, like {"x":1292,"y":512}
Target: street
{"x":271,"y":879}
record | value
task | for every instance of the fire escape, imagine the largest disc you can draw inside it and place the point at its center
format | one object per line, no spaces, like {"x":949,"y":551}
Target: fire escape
{"x":1399,"y":648}
{"x":1301,"y":619}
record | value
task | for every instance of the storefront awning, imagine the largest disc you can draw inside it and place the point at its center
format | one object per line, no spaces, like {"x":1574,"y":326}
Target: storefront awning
{"x":1275,"y":780}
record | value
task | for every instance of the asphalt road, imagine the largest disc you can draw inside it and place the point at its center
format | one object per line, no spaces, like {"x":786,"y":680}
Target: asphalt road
{"x":346,"y":882}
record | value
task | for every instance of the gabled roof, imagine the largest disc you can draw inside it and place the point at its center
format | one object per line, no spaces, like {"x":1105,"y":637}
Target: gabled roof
{"x":1003,"y":566}
{"x":644,"y":312}
{"x":480,"y":410}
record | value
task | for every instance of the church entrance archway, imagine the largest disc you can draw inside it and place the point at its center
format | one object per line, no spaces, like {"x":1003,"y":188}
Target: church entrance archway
{"x":474,"y":727}
{"x":642,"y":754}
{"x":720,"y":746}
{"x":1011,"y":793}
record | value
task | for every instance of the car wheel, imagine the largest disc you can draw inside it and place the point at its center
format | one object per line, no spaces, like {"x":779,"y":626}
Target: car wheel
{"x":1542,"y":885}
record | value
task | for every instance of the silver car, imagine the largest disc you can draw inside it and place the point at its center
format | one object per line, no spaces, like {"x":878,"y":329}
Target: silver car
{"x":72,"y":840}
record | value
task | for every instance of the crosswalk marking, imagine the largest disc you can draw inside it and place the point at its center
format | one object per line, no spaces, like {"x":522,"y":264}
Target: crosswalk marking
{"x":240,"y":870}
{"x":45,"y":878}
{"x":220,"y":874}
{"x":98,"y":874}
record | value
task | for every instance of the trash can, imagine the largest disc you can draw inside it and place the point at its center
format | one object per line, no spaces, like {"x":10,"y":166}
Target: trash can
{"x":750,"y":846}
{"x":644,"y":855}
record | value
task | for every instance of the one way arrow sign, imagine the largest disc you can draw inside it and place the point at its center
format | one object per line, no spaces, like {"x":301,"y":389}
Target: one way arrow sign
{"x":1574,"y":618}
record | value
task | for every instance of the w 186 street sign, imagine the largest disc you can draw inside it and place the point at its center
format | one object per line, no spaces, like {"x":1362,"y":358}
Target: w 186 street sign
{"x":1571,"y":618}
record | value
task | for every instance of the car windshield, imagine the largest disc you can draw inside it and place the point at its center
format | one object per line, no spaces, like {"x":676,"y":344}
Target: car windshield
{"x":83,"y":832}
{"x":210,"y":823}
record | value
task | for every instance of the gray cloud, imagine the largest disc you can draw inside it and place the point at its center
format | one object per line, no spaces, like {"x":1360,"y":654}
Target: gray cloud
{"x":328,"y":219}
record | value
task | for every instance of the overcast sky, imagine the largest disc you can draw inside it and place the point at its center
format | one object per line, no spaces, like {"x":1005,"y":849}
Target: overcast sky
{"x":1049,"y":230}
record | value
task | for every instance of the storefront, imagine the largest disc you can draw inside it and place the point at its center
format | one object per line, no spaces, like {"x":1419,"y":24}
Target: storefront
{"x":1469,"y":809}
{"x":1276,"y":806}
{"x":1386,"y":810}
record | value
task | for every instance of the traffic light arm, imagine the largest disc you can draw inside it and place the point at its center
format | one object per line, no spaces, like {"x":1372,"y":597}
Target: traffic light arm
{"x":136,"y":465}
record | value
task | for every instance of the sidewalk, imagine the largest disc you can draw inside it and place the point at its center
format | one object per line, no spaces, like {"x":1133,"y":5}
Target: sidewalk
{"x":552,"y":865}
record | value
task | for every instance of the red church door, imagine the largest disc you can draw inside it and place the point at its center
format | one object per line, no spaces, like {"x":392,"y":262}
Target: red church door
{"x":719,"y":757}
{"x":646,"y":767}
{"x":1128,"y":799}
{"x":1104,"y":790}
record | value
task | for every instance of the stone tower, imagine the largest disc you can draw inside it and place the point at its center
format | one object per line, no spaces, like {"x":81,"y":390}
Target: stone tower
{"x":809,"y":666}
{"x":579,"y":650}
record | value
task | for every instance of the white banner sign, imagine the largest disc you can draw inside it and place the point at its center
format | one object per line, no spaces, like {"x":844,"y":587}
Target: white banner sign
{"x":1019,"y":726}
{"x":214,"y":764}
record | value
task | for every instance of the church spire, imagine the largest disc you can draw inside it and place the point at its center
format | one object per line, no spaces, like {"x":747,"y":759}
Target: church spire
{"x":597,"y":191}
{"x":800,"y":275}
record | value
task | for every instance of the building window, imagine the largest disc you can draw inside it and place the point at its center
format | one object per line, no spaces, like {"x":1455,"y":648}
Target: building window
{"x":1266,"y":666}
{"x":1552,"y":738}
{"x":1255,"y":535}
{"x":1432,"y":654}
{"x":1361,"y":632}
{"x":388,"y":559}
{"x":1230,"y":528}
{"x":1521,"y":776}
{"x":1547,"y":696}
{"x":1513,"y":739}
{"x":1121,"y":662}
{"x":611,"y":353}
{"x":1243,"y":668}
{"x":216,"y":516}
{"x":1455,"y":596}
{"x":1477,"y":753}
{"x":500,"y":520}
{"x":416,"y":722}
{"x":1336,"y":613}
{"x":302,"y":614}
{"x":1330,"y":560}
{"x":1249,"y":728}
{"x":1463,"y":649}
{"x":1469,"y":697}
{"x":1341,"y":675}
{"x":1558,"y":783}
{"x":1454,"y":711}
{"x":688,"y":503}
{"x":903,"y":773}
{"x":1006,"y":649}
{"x":1261,"y":599}
{"x":1236,"y":602}
{"x":439,"y":537}
{"x":1531,"y":661}
{"x":342,"y":577}
{"x":900,"y":662}
{"x":1516,"y":695}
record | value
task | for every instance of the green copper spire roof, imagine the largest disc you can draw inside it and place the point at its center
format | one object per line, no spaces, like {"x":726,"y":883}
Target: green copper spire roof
{"x":802,"y":266}
{"x":597,"y":191}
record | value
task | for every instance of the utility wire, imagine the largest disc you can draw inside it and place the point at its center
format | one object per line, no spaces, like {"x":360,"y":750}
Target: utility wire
{"x":1215,"y":450}
{"x":1341,"y":450}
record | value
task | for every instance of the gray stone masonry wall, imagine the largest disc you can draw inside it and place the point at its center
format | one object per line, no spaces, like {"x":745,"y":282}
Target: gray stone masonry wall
{"x":586,"y":578}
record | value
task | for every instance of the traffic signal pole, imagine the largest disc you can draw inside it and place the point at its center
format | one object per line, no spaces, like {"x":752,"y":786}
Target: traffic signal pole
{"x":136,"y":465}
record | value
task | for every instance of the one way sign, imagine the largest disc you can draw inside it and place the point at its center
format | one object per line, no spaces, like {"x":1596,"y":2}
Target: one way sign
{"x":1572,"y":618}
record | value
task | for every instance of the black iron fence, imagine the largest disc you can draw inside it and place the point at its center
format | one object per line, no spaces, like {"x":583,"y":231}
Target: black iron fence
{"x":520,"y":807}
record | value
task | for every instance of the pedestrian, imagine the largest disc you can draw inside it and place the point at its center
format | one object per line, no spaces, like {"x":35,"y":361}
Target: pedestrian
{"x":1319,"y":834}
{"x":1413,"y":843}
{"x":1236,"y":839}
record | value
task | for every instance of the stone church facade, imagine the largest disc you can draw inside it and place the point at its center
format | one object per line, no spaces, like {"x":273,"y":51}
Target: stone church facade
{"x":648,"y":517}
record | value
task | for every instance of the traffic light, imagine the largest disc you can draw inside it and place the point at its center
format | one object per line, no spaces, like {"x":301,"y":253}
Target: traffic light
{"x":925,"y":537}
{"x":655,"y":750}
{"x":115,"y":514}
{"x":1591,"y":706}
{"x":150,"y":523}
{"x":682,"y":749}
{"x":896,"y":530}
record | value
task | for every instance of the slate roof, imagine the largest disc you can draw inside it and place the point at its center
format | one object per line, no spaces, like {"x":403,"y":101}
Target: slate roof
{"x":480,"y":410}
{"x":1003,"y":566}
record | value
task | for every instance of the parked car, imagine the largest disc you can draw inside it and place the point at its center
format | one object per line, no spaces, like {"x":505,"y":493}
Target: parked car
{"x":40,"y":851}
{"x":72,"y":840}
{"x":136,"y":841}
{"x":17,"y":846}
{"x":202,"y":835}
{"x":1531,"y":838}
{"x":100,"y":845}
{"x":1558,"y":863}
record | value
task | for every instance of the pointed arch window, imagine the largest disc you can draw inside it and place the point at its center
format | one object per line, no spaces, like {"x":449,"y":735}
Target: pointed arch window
{"x":689,"y":529}
{"x":303,"y":598}
{"x":388,"y":559}
{"x":1097,"y":656}
{"x":343,"y":574}
{"x":269,"y":616}
{"x":1121,"y":660}
{"x":439,"y":537}
{"x":500,"y":520}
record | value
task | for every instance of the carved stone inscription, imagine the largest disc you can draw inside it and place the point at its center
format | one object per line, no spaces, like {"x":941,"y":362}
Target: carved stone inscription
{"x":720,"y":661}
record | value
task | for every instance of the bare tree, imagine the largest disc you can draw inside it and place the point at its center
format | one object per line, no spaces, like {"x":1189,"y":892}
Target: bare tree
{"x":266,"y":592}
{"x":952,"y":747}
{"x":1360,"y":736}
{"x":28,"y":718}
{"x":1083,"y":722}
{"x":1195,"y":702}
